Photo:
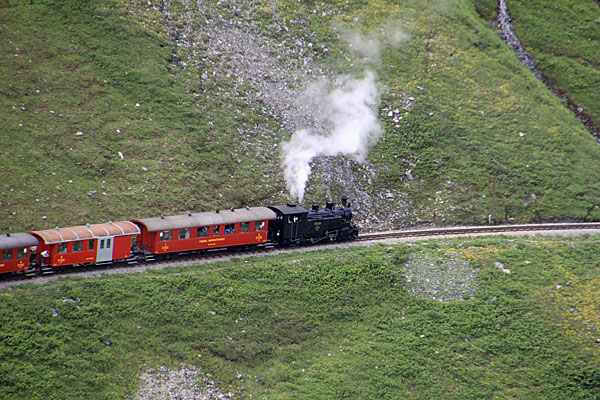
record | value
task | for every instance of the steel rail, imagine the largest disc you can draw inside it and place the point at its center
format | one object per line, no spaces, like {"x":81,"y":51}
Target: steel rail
{"x":468,"y":230}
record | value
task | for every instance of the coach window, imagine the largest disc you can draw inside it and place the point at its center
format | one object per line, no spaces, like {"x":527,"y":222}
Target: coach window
{"x":62,"y":248}
{"x":7,"y":255}
{"x":90,"y":245}
{"x":166,"y":235}
{"x":216,"y":230}
{"x":229,"y":229}
{"x":184,"y":234}
{"x":22,"y":253}
{"x":77,"y":246}
{"x":203,"y":231}
{"x":245,"y":227}
{"x":259,"y":226}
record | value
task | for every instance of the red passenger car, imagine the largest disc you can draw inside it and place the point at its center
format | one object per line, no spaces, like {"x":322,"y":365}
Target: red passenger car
{"x":202,"y":231}
{"x":15,"y":250}
{"x":96,"y":243}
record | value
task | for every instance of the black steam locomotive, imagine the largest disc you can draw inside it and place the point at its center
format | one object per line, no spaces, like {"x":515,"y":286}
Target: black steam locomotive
{"x":296,"y":224}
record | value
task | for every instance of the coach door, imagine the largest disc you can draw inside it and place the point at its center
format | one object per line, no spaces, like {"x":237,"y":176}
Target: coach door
{"x":105,"y":248}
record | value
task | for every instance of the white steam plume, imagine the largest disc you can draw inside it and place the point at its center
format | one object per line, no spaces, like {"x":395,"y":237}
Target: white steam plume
{"x":350,"y":113}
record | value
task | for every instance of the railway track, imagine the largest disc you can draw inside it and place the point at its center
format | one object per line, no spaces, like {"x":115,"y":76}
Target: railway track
{"x":224,"y":255}
{"x":469,"y":230}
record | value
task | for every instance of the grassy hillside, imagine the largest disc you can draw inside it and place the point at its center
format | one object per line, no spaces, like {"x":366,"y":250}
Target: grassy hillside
{"x":115,"y":109}
{"x":359,"y":323}
{"x":564,"y":38}
{"x":92,"y":69}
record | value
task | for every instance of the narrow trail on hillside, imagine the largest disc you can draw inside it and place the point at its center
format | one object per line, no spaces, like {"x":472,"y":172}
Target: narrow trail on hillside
{"x":510,"y":38}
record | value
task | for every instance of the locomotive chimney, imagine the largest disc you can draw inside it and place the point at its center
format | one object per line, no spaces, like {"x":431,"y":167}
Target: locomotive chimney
{"x":315,"y":207}
{"x":344,"y":201}
{"x":329,"y":205}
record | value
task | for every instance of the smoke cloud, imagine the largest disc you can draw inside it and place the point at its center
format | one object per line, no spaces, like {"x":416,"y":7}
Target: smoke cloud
{"x":346,"y":110}
{"x":350,"y":113}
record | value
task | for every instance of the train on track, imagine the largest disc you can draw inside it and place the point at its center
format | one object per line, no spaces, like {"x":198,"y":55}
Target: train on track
{"x":169,"y":236}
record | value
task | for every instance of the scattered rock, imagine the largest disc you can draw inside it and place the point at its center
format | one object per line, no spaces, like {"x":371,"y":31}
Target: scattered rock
{"x":446,"y":278}
{"x":268,"y":65}
{"x":500,"y":266}
{"x":186,"y":383}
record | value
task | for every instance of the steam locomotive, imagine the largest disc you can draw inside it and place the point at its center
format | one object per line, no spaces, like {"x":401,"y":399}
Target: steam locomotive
{"x":168,"y":236}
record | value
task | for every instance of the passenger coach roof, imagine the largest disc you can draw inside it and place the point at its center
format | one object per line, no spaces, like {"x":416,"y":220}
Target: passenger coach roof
{"x":17,"y":240}
{"x":59,"y":235}
{"x":206,"y":218}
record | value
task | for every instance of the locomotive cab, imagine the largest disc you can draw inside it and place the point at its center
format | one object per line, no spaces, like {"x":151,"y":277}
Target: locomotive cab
{"x":290,"y":224}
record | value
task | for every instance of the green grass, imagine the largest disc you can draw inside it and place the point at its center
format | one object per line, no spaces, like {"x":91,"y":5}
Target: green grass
{"x":564,"y":39}
{"x":327,"y":324}
{"x":102,"y":72}
{"x":94,"y":61}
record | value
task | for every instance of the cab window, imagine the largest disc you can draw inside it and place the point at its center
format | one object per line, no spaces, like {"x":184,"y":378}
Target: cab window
{"x":203,"y":231}
{"x":7,"y":255}
{"x":166,"y":235}
{"x":184,"y":234}
{"x":259,"y":226}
